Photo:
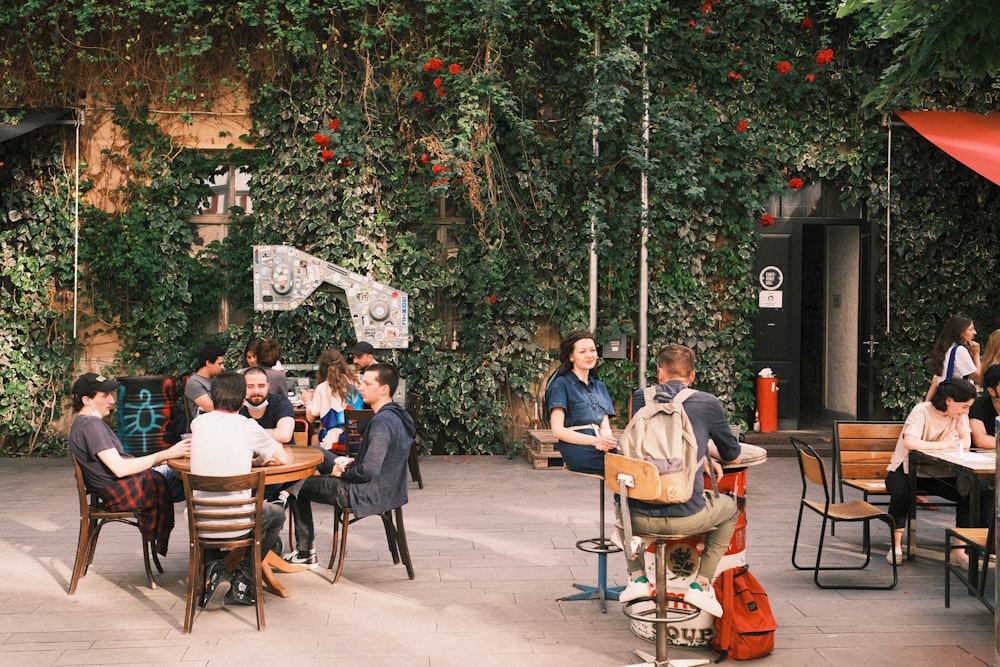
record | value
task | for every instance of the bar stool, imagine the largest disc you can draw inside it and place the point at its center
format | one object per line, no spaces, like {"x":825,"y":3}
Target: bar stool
{"x":632,"y":478}
{"x":602,"y":546}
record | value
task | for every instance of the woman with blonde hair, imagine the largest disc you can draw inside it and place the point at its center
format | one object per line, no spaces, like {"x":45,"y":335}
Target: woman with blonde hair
{"x":991,"y":353}
{"x":334,"y":394}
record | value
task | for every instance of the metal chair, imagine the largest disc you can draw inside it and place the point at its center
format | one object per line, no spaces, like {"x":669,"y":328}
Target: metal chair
{"x":813,"y":472}
{"x":640,"y":480}
{"x":414,"y":402}
{"x":212,"y":518}
{"x":93,"y":516}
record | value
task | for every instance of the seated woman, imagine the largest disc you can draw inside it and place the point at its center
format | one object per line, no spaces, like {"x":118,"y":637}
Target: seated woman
{"x":334,"y":394}
{"x":579,"y":406}
{"x":939,"y":424}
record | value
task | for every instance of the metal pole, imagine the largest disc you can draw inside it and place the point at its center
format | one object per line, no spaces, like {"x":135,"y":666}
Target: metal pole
{"x":644,"y":221}
{"x":76,"y":227}
{"x":888,"y":224}
{"x":596,"y":147}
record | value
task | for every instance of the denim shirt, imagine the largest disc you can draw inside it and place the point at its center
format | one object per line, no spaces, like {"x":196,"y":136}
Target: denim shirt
{"x":584,"y":403}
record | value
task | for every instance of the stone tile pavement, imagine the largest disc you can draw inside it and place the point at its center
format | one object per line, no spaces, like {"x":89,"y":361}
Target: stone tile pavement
{"x":493,"y":547}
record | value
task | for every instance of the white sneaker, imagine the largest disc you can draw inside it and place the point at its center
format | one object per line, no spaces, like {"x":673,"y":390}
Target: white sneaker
{"x":697,"y":596}
{"x":899,"y":556}
{"x":636,"y":590}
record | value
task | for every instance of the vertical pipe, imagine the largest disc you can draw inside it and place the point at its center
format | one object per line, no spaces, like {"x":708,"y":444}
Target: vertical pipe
{"x":644,"y":220}
{"x":596,"y":147}
{"x":76,"y":227}
{"x":888,"y":224}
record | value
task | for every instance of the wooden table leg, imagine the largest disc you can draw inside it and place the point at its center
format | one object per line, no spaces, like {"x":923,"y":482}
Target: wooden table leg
{"x":271,"y":582}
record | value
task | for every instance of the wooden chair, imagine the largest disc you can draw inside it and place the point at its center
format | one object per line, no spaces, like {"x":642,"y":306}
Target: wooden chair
{"x":414,"y":402}
{"x":813,"y":472}
{"x":979,"y":544}
{"x":209,"y":516}
{"x":93,"y":516}
{"x":395,"y":536}
{"x":640,"y":480}
{"x":302,"y":436}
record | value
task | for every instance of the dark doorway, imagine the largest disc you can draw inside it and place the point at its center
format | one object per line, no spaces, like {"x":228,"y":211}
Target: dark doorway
{"x":813,"y":328}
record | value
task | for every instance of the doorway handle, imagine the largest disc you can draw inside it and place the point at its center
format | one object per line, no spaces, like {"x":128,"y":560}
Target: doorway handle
{"x":871,"y":343}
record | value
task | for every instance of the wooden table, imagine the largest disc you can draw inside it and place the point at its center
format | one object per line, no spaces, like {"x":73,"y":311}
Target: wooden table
{"x":301,"y":463}
{"x":969,"y":470}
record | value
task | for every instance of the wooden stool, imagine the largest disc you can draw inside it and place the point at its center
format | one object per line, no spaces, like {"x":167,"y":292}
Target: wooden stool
{"x":632,"y":478}
{"x":602,"y":546}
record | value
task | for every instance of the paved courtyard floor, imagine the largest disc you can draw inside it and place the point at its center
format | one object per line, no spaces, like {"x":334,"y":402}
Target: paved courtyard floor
{"x":493,"y":548}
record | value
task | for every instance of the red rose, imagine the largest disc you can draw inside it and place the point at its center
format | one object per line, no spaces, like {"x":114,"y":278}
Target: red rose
{"x":327,"y":155}
{"x":346,"y":162}
{"x":706,"y":8}
{"x":795,"y":184}
{"x":717,"y":160}
{"x":692,"y":23}
{"x":806,"y":23}
{"x":493,"y":298}
{"x":427,"y":67}
{"x":433,"y":65}
{"x":741,"y":126}
{"x":810,"y":78}
{"x":321,"y":139}
{"x":437,"y":169}
{"x":708,"y":30}
{"x":824,"y":57}
{"x":784,"y":67}
{"x":733,"y":76}
{"x":454,"y":68}
{"x":766,"y":220}
{"x":334,"y":125}
{"x":424,"y":158}
{"x":418,"y":96}
{"x":438,"y":82}
{"x":440,"y":92}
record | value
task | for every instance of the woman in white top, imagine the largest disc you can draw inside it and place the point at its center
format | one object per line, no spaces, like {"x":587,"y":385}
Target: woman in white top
{"x":334,"y":394}
{"x":940,"y":424}
{"x":956,"y":349}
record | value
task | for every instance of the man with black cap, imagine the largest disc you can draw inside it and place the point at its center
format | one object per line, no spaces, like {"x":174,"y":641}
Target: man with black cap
{"x":363,"y":355}
{"x":123,"y":481}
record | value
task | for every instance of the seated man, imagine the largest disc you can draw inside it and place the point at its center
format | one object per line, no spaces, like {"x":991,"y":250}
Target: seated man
{"x":375,"y":481}
{"x":983,"y":413}
{"x":197,"y":398}
{"x":703,"y":513}
{"x":269,"y":406}
{"x":224,"y":443}
{"x":124,"y":482}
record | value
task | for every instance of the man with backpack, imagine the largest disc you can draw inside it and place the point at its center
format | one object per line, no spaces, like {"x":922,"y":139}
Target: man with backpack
{"x":702,"y":513}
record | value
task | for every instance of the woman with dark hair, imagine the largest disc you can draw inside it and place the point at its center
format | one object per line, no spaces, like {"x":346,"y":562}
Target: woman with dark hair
{"x":956,"y":353}
{"x":940,"y":424}
{"x":578,"y":405}
{"x":266,"y":353}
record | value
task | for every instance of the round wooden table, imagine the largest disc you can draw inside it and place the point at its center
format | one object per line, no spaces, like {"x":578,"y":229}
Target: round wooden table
{"x":302,"y":462}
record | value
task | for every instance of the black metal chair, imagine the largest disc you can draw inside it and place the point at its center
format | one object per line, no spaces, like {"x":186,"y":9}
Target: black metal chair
{"x":979,"y":545}
{"x":814,"y":473}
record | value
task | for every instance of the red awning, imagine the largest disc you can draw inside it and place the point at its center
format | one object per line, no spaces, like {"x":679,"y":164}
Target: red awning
{"x":971,"y":138}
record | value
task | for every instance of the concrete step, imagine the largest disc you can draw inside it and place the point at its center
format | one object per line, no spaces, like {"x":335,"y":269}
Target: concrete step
{"x":778,"y":443}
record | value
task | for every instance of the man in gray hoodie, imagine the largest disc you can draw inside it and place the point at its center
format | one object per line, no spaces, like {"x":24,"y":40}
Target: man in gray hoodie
{"x":373,"y":482}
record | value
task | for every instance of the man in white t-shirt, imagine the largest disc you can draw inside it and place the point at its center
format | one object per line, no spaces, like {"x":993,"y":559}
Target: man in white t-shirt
{"x":225,"y":443}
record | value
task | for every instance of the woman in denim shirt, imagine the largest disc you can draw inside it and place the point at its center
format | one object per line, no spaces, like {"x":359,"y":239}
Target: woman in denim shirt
{"x":579,"y":406}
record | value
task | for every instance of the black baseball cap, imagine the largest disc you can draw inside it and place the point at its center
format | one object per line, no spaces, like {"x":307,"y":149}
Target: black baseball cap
{"x":360,"y":348}
{"x":90,"y":383}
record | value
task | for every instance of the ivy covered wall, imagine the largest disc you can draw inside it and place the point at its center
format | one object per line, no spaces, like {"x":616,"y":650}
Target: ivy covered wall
{"x":366,"y":115}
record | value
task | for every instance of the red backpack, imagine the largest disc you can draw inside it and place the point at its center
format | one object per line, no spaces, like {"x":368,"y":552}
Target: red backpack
{"x":746,"y":629}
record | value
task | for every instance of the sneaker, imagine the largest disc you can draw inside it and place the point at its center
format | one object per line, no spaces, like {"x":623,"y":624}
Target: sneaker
{"x":280,"y":501}
{"x":242,"y":590}
{"x":307,"y":558}
{"x":218,"y":586}
{"x":696,"y":596}
{"x":899,"y":556}
{"x":636,"y":590}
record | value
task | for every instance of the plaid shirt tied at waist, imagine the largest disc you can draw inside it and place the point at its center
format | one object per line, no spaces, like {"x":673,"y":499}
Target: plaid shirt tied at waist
{"x":148,"y":495}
